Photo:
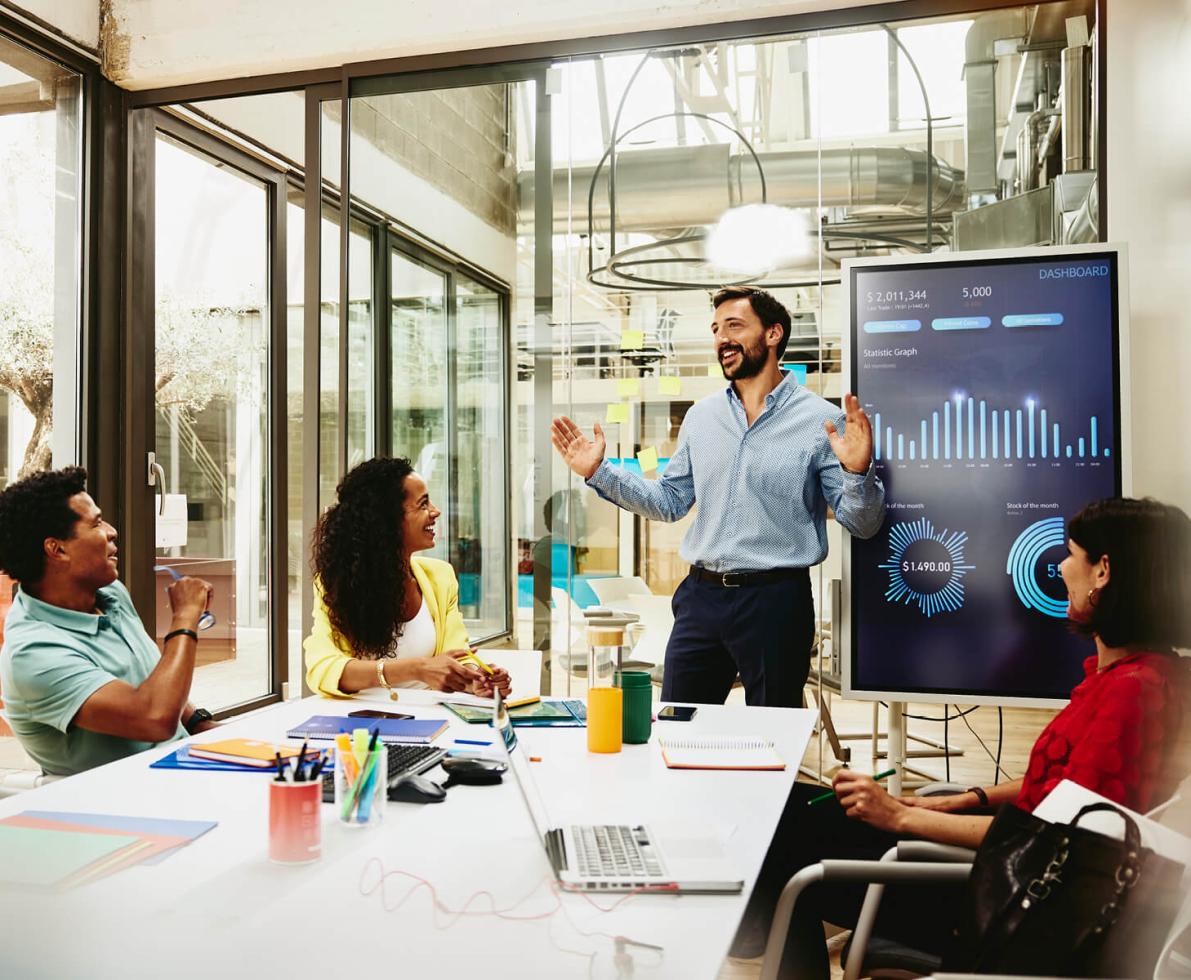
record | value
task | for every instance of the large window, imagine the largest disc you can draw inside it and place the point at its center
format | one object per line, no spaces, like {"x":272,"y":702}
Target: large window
{"x":40,"y":265}
{"x":211,"y":393}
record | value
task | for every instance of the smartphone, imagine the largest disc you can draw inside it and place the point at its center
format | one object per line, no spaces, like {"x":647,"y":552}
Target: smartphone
{"x":676,"y":712}
{"x":375,"y":713}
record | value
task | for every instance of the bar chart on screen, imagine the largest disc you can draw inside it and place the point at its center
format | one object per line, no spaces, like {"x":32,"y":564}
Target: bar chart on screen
{"x":965,"y":427}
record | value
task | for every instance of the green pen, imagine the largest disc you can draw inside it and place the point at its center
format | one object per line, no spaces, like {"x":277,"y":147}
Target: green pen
{"x":831,"y":793}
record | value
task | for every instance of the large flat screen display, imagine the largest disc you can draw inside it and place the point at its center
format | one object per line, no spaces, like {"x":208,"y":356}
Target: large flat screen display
{"x":992,"y":381}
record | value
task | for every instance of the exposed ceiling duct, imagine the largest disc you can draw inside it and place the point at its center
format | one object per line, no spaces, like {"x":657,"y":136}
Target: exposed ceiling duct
{"x":678,"y":187}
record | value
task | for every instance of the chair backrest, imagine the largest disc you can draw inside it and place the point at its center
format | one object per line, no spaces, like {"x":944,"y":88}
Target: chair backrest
{"x":614,"y":590}
{"x":654,"y":610}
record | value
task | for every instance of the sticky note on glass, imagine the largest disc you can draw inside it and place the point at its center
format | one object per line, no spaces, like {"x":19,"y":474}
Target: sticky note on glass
{"x":628,"y":387}
{"x":617,"y":412}
{"x":632,"y":339}
{"x":669,"y":386}
{"x":648,"y":458}
{"x":714,"y":371}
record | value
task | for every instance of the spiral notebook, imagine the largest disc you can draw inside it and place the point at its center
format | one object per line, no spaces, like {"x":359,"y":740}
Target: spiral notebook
{"x":720,"y":752}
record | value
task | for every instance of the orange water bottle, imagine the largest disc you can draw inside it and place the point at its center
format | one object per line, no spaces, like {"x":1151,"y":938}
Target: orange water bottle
{"x":605,"y":701}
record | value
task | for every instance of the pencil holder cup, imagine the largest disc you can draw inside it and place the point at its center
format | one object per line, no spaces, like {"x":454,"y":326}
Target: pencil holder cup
{"x":361,"y":789}
{"x":295,"y":823}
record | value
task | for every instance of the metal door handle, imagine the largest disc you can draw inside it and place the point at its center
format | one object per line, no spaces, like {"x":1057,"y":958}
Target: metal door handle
{"x":155,"y":474}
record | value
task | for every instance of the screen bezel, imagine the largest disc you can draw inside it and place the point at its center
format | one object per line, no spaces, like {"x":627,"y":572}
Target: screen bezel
{"x":1117,"y":256}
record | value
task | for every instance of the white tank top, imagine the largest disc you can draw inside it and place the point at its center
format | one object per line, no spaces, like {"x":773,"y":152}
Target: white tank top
{"x":417,"y":639}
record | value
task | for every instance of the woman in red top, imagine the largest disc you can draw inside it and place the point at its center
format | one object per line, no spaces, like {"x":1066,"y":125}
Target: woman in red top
{"x":1124,"y":734}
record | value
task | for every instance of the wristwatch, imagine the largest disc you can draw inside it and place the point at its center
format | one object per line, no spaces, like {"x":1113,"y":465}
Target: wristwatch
{"x":200,"y":715}
{"x":980,"y":794}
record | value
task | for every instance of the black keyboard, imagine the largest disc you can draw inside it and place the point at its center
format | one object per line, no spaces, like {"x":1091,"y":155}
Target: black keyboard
{"x":404,"y":760}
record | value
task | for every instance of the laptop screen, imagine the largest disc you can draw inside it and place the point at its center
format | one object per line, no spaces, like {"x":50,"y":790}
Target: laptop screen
{"x":520,"y":766}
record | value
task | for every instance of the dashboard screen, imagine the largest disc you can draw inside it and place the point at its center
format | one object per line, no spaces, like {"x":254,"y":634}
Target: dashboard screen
{"x":993,"y":391}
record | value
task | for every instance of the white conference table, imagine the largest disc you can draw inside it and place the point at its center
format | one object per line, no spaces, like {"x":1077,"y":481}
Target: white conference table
{"x":218,"y":908}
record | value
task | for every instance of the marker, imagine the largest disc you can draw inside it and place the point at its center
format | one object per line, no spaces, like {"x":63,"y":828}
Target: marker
{"x":298,"y":777}
{"x":470,"y":741}
{"x":280,"y":768}
{"x":830,"y":793}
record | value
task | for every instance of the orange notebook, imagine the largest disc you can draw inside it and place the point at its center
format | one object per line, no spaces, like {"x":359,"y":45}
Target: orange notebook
{"x":720,"y":752}
{"x":248,"y":752}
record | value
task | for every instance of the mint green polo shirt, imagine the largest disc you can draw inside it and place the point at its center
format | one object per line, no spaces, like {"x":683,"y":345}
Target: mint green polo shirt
{"x":53,"y":659}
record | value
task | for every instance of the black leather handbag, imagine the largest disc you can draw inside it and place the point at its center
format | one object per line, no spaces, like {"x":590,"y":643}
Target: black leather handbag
{"x":1062,"y":900}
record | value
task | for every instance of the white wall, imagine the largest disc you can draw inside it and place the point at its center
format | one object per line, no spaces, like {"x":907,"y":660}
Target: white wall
{"x":175,"y":41}
{"x":77,"y":19}
{"x":1149,"y":207}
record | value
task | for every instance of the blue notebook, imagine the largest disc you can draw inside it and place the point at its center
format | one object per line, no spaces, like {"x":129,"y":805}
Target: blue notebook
{"x":399,"y":731}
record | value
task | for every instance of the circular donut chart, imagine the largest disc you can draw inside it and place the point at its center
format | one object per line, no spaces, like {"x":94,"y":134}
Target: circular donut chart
{"x":1023,"y":562}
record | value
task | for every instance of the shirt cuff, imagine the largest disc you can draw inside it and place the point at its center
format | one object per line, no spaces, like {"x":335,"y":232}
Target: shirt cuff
{"x":602,"y":478}
{"x":860,"y":479}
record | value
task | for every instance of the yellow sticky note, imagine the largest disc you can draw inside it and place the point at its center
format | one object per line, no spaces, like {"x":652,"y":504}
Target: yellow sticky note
{"x":632,"y":339}
{"x":669,"y":385}
{"x":617,"y":412}
{"x":648,"y":458}
{"x":628,"y":387}
{"x":714,"y":371}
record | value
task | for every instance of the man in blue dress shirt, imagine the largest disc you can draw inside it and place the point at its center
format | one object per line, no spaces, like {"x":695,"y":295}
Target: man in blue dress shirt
{"x":763,"y":459}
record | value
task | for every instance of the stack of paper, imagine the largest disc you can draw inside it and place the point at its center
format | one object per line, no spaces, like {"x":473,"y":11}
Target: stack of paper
{"x":49,"y":849}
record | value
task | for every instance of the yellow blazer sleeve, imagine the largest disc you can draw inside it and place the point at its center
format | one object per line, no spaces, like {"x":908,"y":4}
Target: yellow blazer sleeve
{"x":325,"y":659}
{"x":438,"y":579}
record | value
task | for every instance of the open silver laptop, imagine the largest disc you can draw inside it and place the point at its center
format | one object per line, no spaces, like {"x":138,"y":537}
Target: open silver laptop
{"x":615,"y":857}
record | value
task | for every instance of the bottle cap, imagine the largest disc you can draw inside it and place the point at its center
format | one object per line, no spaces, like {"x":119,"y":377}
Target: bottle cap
{"x":605,"y":636}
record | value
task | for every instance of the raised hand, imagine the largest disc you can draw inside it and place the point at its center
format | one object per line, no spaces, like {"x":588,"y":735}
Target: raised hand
{"x":854,"y":448}
{"x":579,"y":453}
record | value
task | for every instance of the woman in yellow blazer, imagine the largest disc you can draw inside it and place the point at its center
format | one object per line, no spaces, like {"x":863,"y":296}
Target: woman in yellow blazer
{"x":383,"y":617}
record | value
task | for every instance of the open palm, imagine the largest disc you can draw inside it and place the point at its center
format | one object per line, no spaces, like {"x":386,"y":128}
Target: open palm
{"x":581,"y":454}
{"x":854,"y":448}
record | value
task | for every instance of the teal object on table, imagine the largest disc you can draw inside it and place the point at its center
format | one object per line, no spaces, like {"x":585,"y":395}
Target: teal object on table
{"x":637,"y":717}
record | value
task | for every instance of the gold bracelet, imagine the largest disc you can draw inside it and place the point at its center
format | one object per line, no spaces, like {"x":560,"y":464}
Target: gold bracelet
{"x":383,"y":681}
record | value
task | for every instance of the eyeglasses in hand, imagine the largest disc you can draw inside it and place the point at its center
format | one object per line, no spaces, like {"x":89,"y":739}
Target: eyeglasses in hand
{"x":207,"y":619}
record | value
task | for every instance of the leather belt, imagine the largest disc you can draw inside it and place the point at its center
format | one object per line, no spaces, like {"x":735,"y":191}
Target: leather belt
{"x":735,"y":580}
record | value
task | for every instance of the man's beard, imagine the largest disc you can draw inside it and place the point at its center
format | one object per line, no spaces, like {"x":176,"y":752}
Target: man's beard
{"x":750,"y":364}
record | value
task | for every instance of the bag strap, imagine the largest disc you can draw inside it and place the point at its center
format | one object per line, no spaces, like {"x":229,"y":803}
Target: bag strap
{"x":1128,"y":871}
{"x":1132,"y":834}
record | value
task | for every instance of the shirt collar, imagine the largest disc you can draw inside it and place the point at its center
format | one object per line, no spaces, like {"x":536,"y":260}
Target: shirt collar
{"x":70,"y":619}
{"x":783,"y":390}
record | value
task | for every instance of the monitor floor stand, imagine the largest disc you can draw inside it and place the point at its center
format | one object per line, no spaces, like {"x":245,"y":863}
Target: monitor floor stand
{"x":897,"y":740}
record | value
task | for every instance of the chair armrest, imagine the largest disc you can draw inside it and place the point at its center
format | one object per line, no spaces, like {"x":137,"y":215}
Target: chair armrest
{"x":924,"y":850}
{"x":910,"y":854}
{"x":882,"y":872}
{"x":940,"y":788}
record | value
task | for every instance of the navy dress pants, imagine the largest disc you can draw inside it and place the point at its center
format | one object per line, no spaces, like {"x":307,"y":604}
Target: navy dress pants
{"x":761,"y":632}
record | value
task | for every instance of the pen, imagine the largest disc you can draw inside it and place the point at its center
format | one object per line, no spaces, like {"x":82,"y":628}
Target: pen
{"x":471,"y":655}
{"x":830,"y":793}
{"x":298,"y":777}
{"x":470,"y":741}
{"x":280,"y":769}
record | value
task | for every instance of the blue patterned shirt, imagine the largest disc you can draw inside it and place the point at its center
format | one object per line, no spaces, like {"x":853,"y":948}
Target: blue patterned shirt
{"x":763,"y":491}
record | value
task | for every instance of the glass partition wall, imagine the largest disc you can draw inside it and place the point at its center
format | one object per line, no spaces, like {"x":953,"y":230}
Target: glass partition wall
{"x":525,"y":241}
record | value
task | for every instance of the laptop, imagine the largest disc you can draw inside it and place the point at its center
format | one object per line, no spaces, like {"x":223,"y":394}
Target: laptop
{"x":616,"y":857}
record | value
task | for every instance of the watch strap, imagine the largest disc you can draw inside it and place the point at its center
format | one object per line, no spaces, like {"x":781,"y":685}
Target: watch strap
{"x":183,"y":632}
{"x":980,"y":794}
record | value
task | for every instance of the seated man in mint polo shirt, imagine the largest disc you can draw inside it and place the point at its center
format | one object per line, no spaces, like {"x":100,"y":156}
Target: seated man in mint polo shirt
{"x":83,"y":682}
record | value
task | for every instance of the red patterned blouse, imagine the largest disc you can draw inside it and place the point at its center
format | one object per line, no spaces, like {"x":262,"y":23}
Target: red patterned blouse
{"x":1124,"y":735}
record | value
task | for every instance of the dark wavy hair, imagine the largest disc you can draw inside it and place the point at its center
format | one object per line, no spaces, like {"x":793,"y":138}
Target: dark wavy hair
{"x":31,"y":510}
{"x":358,"y":555}
{"x":1147,"y":601}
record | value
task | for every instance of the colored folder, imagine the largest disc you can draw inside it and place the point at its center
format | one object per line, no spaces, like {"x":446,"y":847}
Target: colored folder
{"x":34,"y":856}
{"x":400,"y":731}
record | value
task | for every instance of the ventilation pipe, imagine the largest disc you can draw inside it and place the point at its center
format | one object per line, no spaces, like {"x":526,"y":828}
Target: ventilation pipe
{"x":980,"y":67}
{"x":1077,"y":114}
{"x":677,"y":187}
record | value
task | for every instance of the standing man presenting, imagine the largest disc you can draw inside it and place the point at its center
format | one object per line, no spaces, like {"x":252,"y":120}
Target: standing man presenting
{"x":764,"y":459}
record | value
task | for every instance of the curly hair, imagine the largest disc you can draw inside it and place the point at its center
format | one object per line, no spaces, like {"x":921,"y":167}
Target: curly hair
{"x":31,"y":510}
{"x":1148,"y":544}
{"x":359,"y":556}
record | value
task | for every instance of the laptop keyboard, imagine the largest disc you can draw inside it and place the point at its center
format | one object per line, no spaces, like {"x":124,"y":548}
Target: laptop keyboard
{"x":609,"y":851}
{"x":404,"y":760}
